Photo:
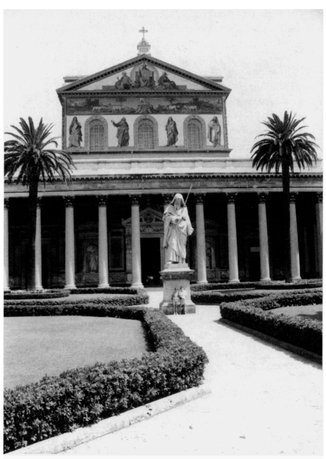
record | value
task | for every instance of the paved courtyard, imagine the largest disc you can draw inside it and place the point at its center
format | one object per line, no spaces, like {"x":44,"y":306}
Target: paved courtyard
{"x":264,"y":400}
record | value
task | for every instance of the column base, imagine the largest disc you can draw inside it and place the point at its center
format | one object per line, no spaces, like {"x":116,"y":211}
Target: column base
{"x":137,"y":285}
{"x":70,"y":287}
{"x":103,"y":286}
{"x":266,"y":279}
{"x":234,"y":281}
{"x":38,"y":287}
{"x":202,"y":282}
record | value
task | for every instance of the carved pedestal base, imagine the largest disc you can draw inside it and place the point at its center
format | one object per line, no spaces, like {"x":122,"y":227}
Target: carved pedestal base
{"x":176,"y":276}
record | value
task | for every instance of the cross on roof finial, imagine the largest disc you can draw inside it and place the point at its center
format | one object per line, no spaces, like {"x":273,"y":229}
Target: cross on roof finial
{"x":143,"y":31}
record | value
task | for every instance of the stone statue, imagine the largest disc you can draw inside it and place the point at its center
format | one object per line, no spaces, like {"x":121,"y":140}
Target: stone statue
{"x":75,"y":133}
{"x":171,"y":132}
{"x":91,"y":259}
{"x":177,"y":227}
{"x":122,"y":132}
{"x":165,"y":82}
{"x":214,"y":132}
{"x":125,"y":82}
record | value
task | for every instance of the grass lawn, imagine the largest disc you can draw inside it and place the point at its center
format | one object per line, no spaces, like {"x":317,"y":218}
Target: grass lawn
{"x":315,"y":311}
{"x":35,"y":346}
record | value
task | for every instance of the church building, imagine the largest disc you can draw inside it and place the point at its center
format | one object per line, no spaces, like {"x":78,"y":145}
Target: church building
{"x":139,"y":132}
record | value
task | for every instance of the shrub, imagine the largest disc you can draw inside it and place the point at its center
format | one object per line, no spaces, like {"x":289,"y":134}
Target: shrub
{"x":115,"y":300}
{"x":302,"y":332}
{"x":36,"y":294}
{"x":213,"y":297}
{"x":82,"y":396}
{"x":272,"y":285}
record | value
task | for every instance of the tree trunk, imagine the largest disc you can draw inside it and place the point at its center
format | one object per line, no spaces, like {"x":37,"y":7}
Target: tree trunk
{"x":286,"y":220}
{"x":32,"y":208}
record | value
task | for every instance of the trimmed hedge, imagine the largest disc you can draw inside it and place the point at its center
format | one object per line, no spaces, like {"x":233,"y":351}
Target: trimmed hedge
{"x":111,"y":290}
{"x":83,"y":396}
{"x":213,"y":297}
{"x":36,"y":294}
{"x":113,"y":300}
{"x":272,"y":285}
{"x":302,"y":332}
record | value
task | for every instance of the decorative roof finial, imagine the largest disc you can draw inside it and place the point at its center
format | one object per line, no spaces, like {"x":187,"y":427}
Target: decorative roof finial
{"x":143,"y":46}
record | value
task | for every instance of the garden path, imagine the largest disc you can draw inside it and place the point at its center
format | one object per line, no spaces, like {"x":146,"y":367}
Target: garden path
{"x":264,"y":400}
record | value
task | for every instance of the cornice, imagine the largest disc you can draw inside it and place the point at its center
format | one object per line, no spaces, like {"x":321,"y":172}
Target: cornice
{"x":142,"y":177}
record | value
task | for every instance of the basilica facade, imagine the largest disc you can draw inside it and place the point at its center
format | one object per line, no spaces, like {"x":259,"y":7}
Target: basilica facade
{"x":139,"y":132}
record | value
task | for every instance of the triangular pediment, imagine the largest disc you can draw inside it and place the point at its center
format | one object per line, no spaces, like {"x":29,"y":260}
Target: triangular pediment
{"x":147,"y":218}
{"x":143,"y":73}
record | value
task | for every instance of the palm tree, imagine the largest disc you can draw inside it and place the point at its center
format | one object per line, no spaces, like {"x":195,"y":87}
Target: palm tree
{"x":29,"y":160}
{"x":281,"y":147}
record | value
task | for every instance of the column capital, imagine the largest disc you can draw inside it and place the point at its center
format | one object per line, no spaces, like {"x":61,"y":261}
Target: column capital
{"x":293,"y":197}
{"x":69,"y":200}
{"x":102,"y":199}
{"x":135,"y":199}
{"x":231,"y":197}
{"x":199,"y":197}
{"x":6,"y":203}
{"x":262,"y":197}
{"x":319,"y":197}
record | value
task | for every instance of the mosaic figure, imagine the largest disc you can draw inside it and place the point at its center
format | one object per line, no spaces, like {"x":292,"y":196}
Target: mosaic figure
{"x":165,"y":82}
{"x":125,"y":82}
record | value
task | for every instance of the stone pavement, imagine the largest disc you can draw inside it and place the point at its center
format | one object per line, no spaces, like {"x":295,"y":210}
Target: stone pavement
{"x":264,"y":400}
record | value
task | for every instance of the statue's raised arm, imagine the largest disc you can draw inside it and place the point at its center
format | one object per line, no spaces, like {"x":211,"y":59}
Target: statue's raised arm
{"x":177,"y":227}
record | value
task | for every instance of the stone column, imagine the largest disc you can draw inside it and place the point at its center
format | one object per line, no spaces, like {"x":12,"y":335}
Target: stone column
{"x":263,"y":238}
{"x":319,"y":223}
{"x":6,"y":287}
{"x":38,"y":247}
{"x":135,"y":243}
{"x":200,"y":238}
{"x":232,"y":239}
{"x":295,"y":256}
{"x":103,"y":271}
{"x":70,"y":243}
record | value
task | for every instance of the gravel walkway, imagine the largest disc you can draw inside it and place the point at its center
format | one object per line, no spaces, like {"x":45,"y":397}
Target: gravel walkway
{"x":263,"y":401}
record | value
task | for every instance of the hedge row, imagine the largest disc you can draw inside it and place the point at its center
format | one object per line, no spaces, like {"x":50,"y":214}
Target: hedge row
{"x":111,"y":290}
{"x":302,"y":332}
{"x":83,"y":396}
{"x":272,"y":285}
{"x":36,"y":294}
{"x":113,"y":300}
{"x":213,"y":297}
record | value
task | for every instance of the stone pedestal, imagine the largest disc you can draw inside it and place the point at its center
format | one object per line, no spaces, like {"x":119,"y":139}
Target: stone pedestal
{"x":175,"y":276}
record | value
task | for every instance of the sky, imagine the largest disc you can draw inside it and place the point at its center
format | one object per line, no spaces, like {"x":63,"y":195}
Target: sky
{"x":271,"y":59}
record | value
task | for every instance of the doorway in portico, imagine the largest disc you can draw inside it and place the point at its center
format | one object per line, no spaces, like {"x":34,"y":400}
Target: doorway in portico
{"x":151,"y":261}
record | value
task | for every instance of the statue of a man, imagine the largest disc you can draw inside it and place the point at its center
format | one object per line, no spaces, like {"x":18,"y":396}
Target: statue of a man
{"x":177,"y":227}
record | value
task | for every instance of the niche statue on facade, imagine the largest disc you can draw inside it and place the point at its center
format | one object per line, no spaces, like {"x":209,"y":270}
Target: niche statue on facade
{"x":171,"y":132}
{"x":122,"y":132}
{"x":214,"y":132}
{"x":75,"y":133}
{"x":124,"y":82}
{"x":177,"y":227}
{"x":91,"y":259}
